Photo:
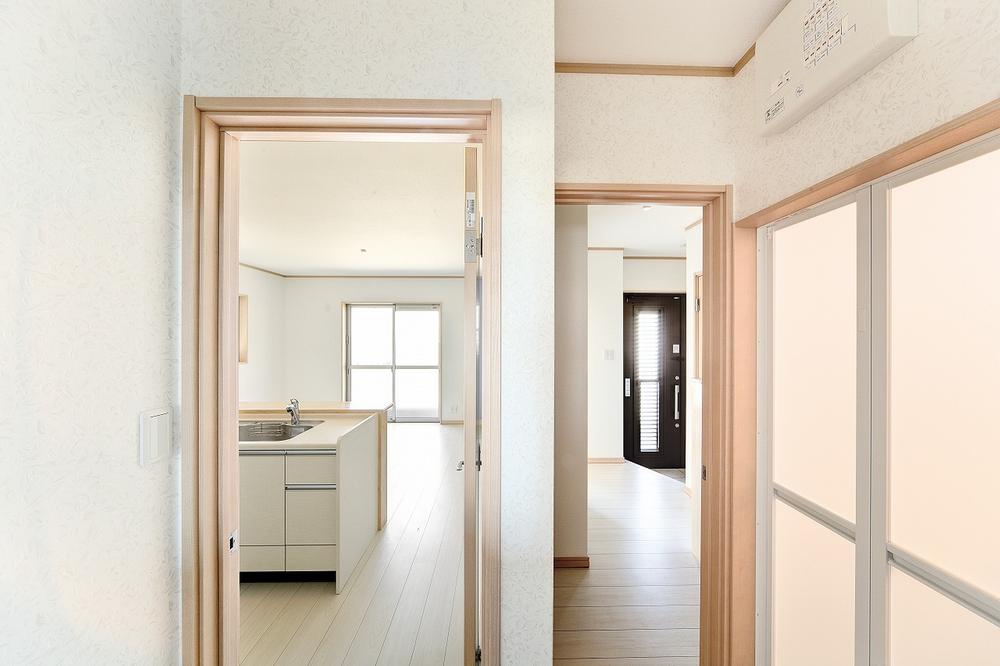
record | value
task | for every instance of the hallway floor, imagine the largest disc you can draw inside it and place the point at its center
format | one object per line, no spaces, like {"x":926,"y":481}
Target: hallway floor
{"x":404,"y":604}
{"x":638,"y":601}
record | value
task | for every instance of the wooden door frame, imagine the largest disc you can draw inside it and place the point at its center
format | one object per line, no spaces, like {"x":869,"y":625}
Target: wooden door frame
{"x":212,"y":128}
{"x":728,"y":510}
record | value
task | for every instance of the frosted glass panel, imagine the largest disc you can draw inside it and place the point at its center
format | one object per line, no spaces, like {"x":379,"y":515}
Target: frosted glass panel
{"x":417,"y":337}
{"x":371,"y":387}
{"x":944,"y":377}
{"x":813,"y":603}
{"x":416,"y":394}
{"x":814,"y":356}
{"x":928,"y":629}
{"x":371,"y":335}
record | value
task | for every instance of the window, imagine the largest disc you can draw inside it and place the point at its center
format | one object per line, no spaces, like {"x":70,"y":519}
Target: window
{"x":879,"y":374}
{"x":393,"y":353}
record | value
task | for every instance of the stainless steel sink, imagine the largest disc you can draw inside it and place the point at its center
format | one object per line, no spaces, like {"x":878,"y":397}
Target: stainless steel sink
{"x":272,"y":431}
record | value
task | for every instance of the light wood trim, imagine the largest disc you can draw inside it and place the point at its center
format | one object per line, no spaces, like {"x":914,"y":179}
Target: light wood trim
{"x":191,"y":559}
{"x":965,"y":128}
{"x":605,"y":249}
{"x":452,"y":422}
{"x":656,"y":70}
{"x":606,"y":461}
{"x":469,"y":434}
{"x":210,"y":310}
{"x":491,"y":369}
{"x":688,"y":492}
{"x":728,"y":416}
{"x":582,"y":562}
{"x":228,"y":408}
{"x":692,"y":225}
{"x":642,"y":70}
{"x":262,"y":270}
{"x":744,"y":59}
{"x":645,"y":257}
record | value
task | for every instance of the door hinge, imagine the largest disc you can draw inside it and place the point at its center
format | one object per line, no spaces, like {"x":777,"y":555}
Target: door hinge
{"x":704,"y":473}
{"x":479,"y":655}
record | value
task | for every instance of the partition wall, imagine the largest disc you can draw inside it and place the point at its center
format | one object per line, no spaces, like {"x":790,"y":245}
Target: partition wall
{"x":879,"y":442}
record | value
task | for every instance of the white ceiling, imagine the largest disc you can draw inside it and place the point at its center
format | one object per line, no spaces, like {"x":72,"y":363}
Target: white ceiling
{"x":660,"y":32}
{"x":656,"y":232}
{"x":308,"y":208}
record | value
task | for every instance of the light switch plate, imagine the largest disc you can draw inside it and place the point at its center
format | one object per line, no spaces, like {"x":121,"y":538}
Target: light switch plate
{"x":154,"y":435}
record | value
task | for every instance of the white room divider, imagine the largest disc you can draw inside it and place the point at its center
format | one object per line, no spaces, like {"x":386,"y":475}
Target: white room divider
{"x":879,"y":448}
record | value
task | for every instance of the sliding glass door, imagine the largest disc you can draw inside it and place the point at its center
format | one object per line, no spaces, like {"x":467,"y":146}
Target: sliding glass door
{"x":394,"y":356}
{"x":879,"y":456}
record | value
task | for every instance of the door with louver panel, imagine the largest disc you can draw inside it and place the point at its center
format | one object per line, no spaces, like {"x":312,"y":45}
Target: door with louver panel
{"x":654,"y":380}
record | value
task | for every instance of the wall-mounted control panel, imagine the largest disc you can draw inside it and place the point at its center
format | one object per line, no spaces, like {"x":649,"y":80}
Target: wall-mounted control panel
{"x":813,"y":48}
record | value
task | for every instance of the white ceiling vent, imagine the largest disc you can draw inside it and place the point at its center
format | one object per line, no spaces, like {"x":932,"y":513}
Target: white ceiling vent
{"x":816,"y":47}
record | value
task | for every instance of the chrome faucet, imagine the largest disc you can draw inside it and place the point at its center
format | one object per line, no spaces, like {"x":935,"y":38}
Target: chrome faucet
{"x":293,"y":409}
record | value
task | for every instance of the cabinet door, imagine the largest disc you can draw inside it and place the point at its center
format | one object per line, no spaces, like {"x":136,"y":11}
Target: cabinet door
{"x":310,"y":515}
{"x":262,"y":500}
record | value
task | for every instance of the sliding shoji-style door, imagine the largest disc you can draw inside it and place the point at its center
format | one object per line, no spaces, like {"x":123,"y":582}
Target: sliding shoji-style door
{"x":879,"y":447}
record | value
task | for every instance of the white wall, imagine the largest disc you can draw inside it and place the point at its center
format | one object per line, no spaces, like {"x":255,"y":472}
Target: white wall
{"x":314,"y":326}
{"x":653,"y":276}
{"x":693,"y":399}
{"x":571,"y":381}
{"x":950,"y":68}
{"x":605,"y":374}
{"x":447,"y":49}
{"x":262,"y":377}
{"x":89,"y":336}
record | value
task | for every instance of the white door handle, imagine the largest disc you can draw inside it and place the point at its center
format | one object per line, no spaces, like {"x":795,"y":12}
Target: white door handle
{"x":628,"y":387}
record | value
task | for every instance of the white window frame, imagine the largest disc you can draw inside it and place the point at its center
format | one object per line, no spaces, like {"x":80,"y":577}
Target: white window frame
{"x":874,"y":553}
{"x":393,"y":367}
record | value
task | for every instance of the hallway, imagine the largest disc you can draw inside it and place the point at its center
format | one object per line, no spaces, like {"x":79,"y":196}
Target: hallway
{"x":638,"y":601}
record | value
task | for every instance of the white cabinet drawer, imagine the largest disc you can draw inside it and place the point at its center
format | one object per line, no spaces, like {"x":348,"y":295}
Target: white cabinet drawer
{"x":310,"y":515}
{"x":262,"y":558}
{"x":262,"y":499}
{"x":311,"y":558}
{"x":310,"y":467}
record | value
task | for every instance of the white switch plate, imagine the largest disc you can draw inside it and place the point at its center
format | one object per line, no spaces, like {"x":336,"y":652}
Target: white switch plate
{"x":154,"y":435}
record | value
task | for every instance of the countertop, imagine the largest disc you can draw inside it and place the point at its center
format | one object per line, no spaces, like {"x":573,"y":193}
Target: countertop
{"x":323,"y":436}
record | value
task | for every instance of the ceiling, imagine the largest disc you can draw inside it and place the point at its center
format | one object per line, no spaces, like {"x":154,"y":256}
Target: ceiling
{"x":713,"y":33}
{"x":309,"y":208}
{"x":650,"y":231}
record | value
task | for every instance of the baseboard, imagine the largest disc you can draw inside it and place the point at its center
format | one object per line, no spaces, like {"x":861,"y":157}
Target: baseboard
{"x":452,"y":422}
{"x":572,"y":562}
{"x":606,"y":461}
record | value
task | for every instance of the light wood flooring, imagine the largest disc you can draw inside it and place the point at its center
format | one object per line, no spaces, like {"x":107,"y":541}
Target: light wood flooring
{"x":404,"y":604}
{"x":638,"y":601}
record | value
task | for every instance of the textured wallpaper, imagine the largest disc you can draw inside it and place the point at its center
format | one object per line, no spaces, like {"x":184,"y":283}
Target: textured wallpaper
{"x":950,"y":68}
{"x":88,"y":330}
{"x":447,"y":49}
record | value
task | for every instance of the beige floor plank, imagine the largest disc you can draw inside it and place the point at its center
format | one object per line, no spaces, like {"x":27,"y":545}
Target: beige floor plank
{"x":455,"y":654}
{"x":625,"y":577}
{"x":252,"y":596}
{"x":639,"y":595}
{"x":589,"y":618}
{"x":626,"y":643}
{"x":413,"y":564}
{"x":272,"y":642}
{"x":637,"y":534}
{"x":675,"y":545}
{"x":650,"y":661}
{"x":642,"y":560}
{"x":264,"y":616}
{"x":439,"y":541}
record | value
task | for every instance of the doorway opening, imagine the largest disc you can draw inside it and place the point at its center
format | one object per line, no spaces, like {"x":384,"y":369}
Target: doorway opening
{"x":317,"y":513}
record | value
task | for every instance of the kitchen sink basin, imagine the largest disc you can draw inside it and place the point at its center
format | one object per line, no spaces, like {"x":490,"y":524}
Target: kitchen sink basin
{"x":272,"y":431}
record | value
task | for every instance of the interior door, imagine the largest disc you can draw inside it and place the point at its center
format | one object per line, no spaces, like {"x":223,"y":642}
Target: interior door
{"x":654,"y":352}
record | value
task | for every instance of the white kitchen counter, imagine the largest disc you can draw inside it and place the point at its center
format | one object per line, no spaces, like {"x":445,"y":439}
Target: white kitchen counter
{"x":326,"y":435}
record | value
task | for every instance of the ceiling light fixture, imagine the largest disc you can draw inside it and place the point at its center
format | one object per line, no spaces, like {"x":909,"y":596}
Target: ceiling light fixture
{"x":363,"y":250}
{"x":647,"y":207}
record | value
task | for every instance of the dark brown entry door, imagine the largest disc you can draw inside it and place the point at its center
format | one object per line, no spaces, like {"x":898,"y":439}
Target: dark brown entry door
{"x":654,"y":380}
